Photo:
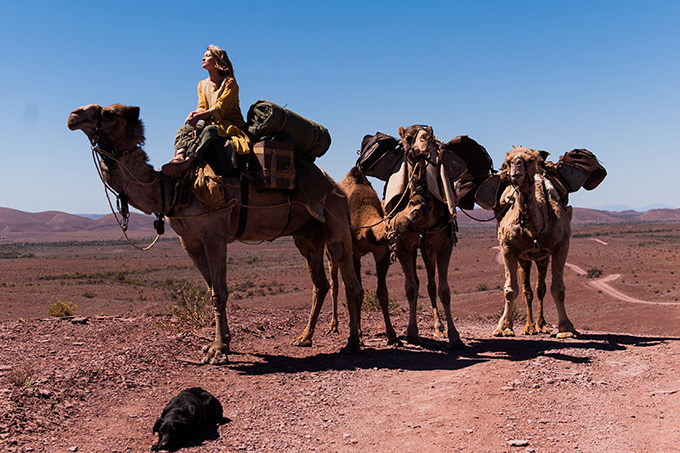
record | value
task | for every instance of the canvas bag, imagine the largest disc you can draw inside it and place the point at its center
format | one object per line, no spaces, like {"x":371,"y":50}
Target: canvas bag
{"x":586,"y":161}
{"x":208,"y":187}
{"x":380,"y":155}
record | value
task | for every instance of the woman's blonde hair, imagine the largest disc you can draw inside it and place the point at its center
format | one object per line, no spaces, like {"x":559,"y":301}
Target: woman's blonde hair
{"x":223,"y":64}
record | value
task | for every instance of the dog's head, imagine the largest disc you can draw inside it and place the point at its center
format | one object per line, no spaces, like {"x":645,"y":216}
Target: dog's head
{"x":171,"y":430}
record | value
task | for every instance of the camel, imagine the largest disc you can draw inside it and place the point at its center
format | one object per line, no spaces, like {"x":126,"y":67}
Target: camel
{"x":369,"y":235}
{"x":116,"y":134}
{"x":431,"y":229}
{"x":534,"y":225}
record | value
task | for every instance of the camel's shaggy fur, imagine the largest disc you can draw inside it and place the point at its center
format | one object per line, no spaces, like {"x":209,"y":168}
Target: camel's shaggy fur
{"x":533,"y":225}
{"x":204,"y":234}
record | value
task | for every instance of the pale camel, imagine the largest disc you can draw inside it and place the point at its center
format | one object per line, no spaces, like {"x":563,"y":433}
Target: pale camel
{"x":431,"y":229}
{"x":117,"y":134}
{"x":534,"y":224}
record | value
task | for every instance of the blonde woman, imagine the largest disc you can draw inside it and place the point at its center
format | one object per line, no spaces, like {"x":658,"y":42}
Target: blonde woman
{"x":217,"y":118}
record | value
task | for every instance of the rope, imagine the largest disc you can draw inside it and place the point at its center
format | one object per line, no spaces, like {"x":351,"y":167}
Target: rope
{"x":108,"y":188}
{"x":475,"y":219}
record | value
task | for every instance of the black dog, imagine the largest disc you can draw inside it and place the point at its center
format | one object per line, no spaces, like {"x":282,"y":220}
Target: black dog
{"x":185,"y":416}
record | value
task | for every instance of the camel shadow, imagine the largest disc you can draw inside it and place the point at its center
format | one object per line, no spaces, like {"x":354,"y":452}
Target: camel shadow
{"x":527,"y":348}
{"x":432,"y":354}
{"x":427,"y":356}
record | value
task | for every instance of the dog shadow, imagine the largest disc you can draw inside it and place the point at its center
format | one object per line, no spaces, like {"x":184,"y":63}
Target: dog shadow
{"x":211,"y":433}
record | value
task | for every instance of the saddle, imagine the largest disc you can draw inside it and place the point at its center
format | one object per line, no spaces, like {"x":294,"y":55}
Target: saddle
{"x":271,"y":167}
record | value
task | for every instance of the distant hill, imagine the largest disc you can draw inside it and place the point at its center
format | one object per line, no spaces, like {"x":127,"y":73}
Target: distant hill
{"x":47,"y":226}
{"x":18,"y":225}
{"x":584,"y":216}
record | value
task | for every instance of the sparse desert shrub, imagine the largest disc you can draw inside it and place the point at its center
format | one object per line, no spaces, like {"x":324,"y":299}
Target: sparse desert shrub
{"x":594,"y":272}
{"x":371,"y":302}
{"x":516,"y":316}
{"x":190,"y":308}
{"x":88,"y":295}
{"x":62,"y":308}
{"x":482,"y":287}
{"x":22,"y":376}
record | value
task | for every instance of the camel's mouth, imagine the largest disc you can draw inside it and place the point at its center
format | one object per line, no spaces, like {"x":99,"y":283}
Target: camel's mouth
{"x":83,"y":117}
{"x":74,"y":122}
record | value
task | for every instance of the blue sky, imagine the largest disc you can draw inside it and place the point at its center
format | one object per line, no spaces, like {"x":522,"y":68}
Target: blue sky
{"x":552,"y":75}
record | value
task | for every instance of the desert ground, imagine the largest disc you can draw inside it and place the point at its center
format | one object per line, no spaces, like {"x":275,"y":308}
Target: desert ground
{"x":97,"y":382}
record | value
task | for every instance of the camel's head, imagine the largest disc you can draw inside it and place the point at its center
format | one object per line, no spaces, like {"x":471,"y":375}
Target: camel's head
{"x":522,"y":164}
{"x":116,"y":127}
{"x":415,"y":214}
{"x":418,"y":141}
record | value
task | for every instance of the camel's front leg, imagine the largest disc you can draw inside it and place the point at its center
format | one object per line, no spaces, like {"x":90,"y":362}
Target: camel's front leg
{"x":510,"y":291}
{"x":211,"y":259}
{"x":542,"y":271}
{"x":407,"y":259}
{"x":428,"y":254}
{"x":443,"y":259}
{"x":312,"y":249}
{"x":565,"y":329}
{"x":528,"y":294}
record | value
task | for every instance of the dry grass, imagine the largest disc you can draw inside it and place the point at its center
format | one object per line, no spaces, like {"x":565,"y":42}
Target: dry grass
{"x":62,"y":308}
{"x":22,"y":376}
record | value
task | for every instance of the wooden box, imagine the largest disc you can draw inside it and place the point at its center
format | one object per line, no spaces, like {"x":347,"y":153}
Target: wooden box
{"x":274,"y":165}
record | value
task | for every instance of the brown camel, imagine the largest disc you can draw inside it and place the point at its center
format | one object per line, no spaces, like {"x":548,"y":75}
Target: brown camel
{"x":369,"y":235}
{"x":431,"y":229}
{"x":117,"y":134}
{"x":533,"y":225}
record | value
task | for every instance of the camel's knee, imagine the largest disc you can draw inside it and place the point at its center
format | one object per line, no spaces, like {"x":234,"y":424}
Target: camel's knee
{"x":336,"y":250}
{"x":510,"y":293}
{"x":558,"y":291}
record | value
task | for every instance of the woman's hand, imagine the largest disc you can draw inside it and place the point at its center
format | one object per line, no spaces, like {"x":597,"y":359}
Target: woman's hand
{"x":196,"y":116}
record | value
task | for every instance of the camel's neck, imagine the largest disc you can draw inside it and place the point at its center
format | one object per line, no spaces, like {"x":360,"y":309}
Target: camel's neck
{"x":132,"y":176}
{"x":531,"y":213}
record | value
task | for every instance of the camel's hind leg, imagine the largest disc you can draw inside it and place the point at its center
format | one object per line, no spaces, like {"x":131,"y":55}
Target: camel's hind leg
{"x":528,"y":294}
{"x":565,"y":329}
{"x":335,"y":290}
{"x":443,"y":252}
{"x":510,"y":291}
{"x":542,"y":271}
{"x":382,"y":265}
{"x":430,"y":266}
{"x":338,"y":239}
{"x":312,"y":249}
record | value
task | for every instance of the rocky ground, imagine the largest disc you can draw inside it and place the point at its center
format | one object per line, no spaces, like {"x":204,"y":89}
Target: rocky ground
{"x":98,"y":384}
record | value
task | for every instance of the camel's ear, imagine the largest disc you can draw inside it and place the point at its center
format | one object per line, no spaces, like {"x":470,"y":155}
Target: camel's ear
{"x":544,"y":154}
{"x":132,"y":114}
{"x":429,"y":130}
{"x":401,"y":132}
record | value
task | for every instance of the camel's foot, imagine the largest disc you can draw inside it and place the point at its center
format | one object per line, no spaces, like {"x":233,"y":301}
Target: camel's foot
{"x":392,"y":339}
{"x":439,"y":331}
{"x":333,"y":327}
{"x":503,"y":332}
{"x":353,"y":345}
{"x":455,"y":344}
{"x":542,"y":328}
{"x":567,"y":334}
{"x":529,"y":329}
{"x":215,"y":353}
{"x":303,"y":341}
{"x":413,"y":339}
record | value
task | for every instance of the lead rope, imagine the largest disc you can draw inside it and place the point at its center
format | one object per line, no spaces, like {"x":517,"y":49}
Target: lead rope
{"x":123,"y":205}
